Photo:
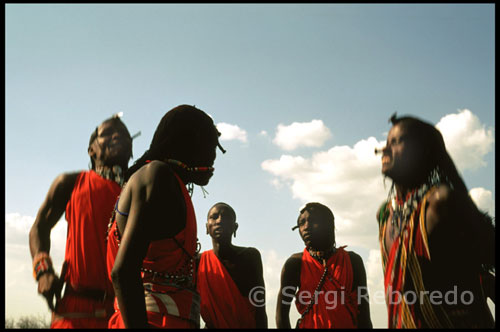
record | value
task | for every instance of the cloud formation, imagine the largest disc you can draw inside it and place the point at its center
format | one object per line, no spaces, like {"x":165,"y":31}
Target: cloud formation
{"x":483,"y":199}
{"x":231,"y":132}
{"x":349,"y":181}
{"x":346,"y":179}
{"x":20,"y":287}
{"x":301,"y":134}
{"x":466,"y":139}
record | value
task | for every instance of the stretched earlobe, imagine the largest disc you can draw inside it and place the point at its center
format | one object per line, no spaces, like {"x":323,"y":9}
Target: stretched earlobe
{"x":235,"y":228}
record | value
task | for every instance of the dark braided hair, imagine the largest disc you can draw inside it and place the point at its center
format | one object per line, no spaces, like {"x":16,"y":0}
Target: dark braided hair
{"x":322,"y":211}
{"x":437,"y":157}
{"x":181,"y":130}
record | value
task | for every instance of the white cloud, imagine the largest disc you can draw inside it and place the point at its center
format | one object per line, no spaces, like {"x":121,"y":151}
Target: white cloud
{"x":20,"y":287}
{"x":348,"y":180}
{"x":483,"y":199}
{"x":375,"y":284}
{"x":272,"y":264}
{"x":308,"y":134}
{"x":466,"y":139}
{"x":263,"y":133}
{"x":231,"y":132}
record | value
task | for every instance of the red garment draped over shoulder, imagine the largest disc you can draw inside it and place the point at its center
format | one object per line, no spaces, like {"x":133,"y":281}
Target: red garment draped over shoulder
{"x":87,"y":212}
{"x":336,"y":305}
{"x":222,"y":305}
{"x":168,"y":275}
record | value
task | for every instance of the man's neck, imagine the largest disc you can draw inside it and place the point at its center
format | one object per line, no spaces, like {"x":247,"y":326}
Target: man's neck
{"x":114,"y":173}
{"x":403,"y":188}
{"x":223,"y":249}
{"x":324,"y":252}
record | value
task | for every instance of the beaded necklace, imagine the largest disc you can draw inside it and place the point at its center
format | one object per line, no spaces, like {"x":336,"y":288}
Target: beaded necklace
{"x":190,"y":169}
{"x":402,"y":210}
{"x":114,"y":173}
{"x":190,"y":186}
{"x":319,"y":255}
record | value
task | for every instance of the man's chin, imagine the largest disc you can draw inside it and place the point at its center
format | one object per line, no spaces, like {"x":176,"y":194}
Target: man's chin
{"x":202,"y":180}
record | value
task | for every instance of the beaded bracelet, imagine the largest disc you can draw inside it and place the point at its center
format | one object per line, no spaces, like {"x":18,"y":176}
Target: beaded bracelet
{"x":42,"y":263}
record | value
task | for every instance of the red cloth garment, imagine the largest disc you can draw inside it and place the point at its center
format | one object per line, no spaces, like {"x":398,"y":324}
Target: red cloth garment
{"x":222,"y":305}
{"x":411,"y":276}
{"x":171,"y":302}
{"x":336,"y":303}
{"x":87,"y":212}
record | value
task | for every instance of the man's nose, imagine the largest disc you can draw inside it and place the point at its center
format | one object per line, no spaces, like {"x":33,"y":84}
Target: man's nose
{"x":307,"y":225}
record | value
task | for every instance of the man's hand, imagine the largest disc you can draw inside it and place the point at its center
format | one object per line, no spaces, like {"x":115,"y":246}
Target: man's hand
{"x":49,"y":285}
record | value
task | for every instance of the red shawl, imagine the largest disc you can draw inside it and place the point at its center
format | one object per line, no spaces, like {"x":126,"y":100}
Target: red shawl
{"x":222,"y":305}
{"x":167,"y":304}
{"x":336,"y":304}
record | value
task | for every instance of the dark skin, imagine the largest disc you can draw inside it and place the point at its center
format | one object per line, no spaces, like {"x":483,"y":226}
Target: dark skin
{"x":243,"y":264}
{"x":449,"y":217}
{"x":112,"y":146}
{"x":318,"y":234}
{"x":155,"y":204}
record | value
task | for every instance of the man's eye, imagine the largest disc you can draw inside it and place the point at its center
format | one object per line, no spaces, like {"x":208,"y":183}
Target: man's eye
{"x":105,"y":133}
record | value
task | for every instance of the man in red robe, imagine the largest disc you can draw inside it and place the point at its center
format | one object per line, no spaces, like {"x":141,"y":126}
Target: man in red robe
{"x":331,"y":282}
{"x":87,"y":198}
{"x":152,"y":243}
{"x":438,"y":248}
{"x":228,"y":275}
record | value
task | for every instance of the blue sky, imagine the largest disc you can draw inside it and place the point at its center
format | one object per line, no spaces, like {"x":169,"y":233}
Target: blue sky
{"x":302,"y":95}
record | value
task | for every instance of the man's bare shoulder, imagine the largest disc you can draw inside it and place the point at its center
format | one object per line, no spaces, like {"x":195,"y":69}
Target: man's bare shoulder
{"x":153,"y":174}
{"x":67,"y":178}
{"x":248,"y":252}
{"x":293,"y":261}
{"x":354,"y":256}
{"x":356,"y":261}
{"x":441,"y":197}
{"x":442,"y":203}
{"x":63,"y":184}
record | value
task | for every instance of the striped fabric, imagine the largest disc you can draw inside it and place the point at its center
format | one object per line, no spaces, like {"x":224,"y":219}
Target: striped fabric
{"x":403,"y":274}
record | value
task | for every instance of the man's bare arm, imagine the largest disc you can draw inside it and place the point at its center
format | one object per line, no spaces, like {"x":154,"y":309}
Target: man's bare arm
{"x":47,"y":217}
{"x":290,"y":281}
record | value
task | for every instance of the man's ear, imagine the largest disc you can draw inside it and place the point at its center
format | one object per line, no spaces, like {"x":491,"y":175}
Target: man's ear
{"x":91,"y":151}
{"x":235,"y":228}
{"x":206,"y":225}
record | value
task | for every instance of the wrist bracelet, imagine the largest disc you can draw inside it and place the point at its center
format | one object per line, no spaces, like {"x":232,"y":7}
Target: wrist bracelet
{"x":42,"y":263}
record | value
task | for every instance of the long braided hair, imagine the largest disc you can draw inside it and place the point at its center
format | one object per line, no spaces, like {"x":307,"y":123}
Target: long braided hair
{"x":180,"y":133}
{"x":437,"y":159}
